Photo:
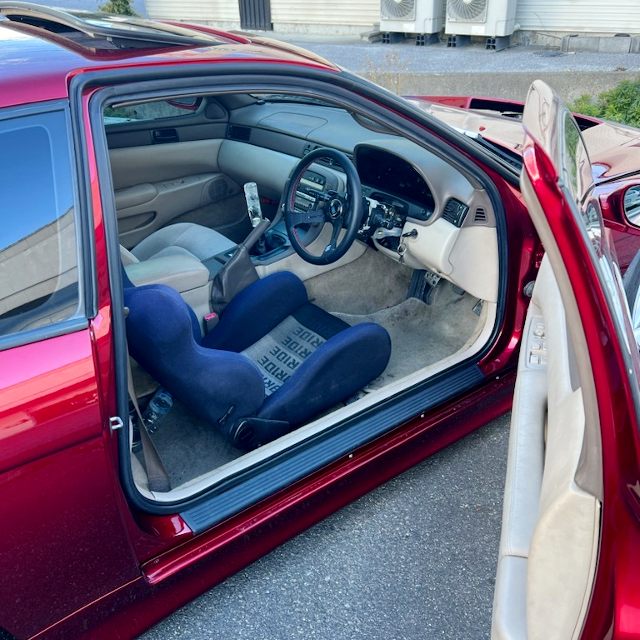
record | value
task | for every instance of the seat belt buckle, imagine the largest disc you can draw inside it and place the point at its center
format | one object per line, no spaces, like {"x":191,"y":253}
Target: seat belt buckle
{"x":210,"y":321}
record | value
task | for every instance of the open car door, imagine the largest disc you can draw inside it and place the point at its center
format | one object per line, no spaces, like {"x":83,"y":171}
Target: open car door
{"x":569,"y":563}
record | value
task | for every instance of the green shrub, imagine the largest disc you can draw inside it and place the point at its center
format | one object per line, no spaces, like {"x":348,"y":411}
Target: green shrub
{"x":620,"y":104}
{"x":121,"y":7}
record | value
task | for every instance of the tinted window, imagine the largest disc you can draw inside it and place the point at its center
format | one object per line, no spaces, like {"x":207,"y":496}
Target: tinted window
{"x":38,"y":249}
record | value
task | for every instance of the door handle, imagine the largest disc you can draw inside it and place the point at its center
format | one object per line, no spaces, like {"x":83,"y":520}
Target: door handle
{"x":161,"y":136}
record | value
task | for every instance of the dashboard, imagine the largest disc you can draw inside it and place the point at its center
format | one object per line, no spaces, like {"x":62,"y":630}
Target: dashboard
{"x":421,"y":208}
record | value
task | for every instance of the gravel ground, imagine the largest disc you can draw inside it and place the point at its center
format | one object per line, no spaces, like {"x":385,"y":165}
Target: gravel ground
{"x":359,"y":55}
{"x":439,"y":70}
{"x":413,"y":559}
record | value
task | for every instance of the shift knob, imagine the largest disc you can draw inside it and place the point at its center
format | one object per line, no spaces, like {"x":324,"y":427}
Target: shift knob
{"x":253,"y":203}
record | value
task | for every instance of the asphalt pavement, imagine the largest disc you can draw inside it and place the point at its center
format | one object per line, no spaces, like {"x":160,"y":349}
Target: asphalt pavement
{"x":413,"y":560}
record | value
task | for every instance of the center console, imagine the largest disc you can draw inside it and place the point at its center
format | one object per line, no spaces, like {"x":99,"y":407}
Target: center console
{"x":276,"y":243}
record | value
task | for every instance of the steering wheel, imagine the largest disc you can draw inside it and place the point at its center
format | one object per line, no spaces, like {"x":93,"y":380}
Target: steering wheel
{"x":337,"y":208}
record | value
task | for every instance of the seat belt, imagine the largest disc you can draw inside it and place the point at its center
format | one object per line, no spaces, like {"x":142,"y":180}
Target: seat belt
{"x":157,"y":475}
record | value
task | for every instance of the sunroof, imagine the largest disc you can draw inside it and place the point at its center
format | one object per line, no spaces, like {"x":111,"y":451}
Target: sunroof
{"x":120,"y":31}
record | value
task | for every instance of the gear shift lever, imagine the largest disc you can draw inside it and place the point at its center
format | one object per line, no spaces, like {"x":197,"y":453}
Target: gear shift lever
{"x":253,"y":203}
{"x":239,"y":272}
{"x":255,"y":214}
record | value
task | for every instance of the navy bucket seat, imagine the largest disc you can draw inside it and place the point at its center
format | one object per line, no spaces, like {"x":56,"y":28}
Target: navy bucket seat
{"x":273,"y":361}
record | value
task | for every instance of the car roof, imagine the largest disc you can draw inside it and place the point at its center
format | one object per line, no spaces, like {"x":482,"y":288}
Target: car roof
{"x":38,"y":58}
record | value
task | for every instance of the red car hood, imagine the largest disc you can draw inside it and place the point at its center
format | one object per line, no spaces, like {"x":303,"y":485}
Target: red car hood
{"x":614,"y":149}
{"x":491,"y":125}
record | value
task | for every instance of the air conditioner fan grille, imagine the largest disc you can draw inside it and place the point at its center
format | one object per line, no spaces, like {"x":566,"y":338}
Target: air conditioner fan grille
{"x":467,"y":10}
{"x":398,"y":9}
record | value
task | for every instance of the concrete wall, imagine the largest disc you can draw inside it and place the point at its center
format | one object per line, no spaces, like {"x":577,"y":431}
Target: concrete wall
{"x":224,"y":14}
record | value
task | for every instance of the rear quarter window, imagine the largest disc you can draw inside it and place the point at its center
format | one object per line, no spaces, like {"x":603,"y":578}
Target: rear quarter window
{"x":38,"y":240}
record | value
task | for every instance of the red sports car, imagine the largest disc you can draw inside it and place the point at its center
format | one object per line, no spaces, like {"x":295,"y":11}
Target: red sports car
{"x":240,"y":287}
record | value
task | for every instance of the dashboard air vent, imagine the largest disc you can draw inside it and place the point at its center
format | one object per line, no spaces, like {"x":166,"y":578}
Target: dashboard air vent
{"x":480,"y":216}
{"x":235,"y":132}
{"x":455,"y":212}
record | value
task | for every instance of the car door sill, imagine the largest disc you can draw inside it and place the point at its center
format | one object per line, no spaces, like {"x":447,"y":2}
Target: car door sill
{"x":236,"y":495}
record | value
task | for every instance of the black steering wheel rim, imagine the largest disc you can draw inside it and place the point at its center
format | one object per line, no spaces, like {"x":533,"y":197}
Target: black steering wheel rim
{"x":338,"y":209}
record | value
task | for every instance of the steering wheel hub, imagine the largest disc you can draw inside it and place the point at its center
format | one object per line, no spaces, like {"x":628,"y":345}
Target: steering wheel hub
{"x":336,"y":208}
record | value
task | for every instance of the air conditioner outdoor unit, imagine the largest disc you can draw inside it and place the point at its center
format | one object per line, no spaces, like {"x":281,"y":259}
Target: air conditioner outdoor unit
{"x":411,"y":16}
{"x":490,"y":18}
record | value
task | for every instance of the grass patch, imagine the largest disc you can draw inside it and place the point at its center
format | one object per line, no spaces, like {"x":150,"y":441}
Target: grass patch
{"x":620,"y":104}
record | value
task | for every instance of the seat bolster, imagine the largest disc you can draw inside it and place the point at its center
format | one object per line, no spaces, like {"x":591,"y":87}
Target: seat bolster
{"x":341,"y":366}
{"x":257,"y":310}
{"x":181,"y":272}
{"x":209,"y":382}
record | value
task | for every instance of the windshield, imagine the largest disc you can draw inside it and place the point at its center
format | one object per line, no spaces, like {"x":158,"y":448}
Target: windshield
{"x":292,"y":97}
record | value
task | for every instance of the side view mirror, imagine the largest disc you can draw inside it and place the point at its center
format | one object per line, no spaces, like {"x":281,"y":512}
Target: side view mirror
{"x":631,"y":204}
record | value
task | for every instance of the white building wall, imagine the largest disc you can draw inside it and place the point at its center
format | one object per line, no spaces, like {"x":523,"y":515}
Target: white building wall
{"x":359,"y":15}
{"x":356,"y":16}
{"x":329,"y":16}
{"x":224,"y":14}
{"x":579,"y":16}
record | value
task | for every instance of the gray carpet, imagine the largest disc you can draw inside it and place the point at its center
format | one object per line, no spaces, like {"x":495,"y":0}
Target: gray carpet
{"x":190,"y":447}
{"x":422,"y":334}
{"x":370,"y":283}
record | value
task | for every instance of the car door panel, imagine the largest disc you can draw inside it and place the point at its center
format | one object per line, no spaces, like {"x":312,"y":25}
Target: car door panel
{"x":59,"y":503}
{"x":550,"y":527}
{"x":267,"y":168}
{"x":562,"y":580}
{"x":155,"y":185}
{"x":157,"y":163}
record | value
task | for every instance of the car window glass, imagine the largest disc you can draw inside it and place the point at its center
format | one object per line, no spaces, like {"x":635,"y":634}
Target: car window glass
{"x":577,"y":184}
{"x":38,"y":249}
{"x":578,"y":180}
{"x":155,"y":110}
{"x":578,"y":173}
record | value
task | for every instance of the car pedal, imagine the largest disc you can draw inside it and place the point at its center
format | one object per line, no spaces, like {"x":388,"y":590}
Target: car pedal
{"x":423,"y":285}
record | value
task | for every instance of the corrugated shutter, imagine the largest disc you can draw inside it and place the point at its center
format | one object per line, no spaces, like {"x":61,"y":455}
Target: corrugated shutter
{"x":255,"y":14}
{"x":579,"y":16}
{"x":331,"y":12}
{"x":194,"y":10}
